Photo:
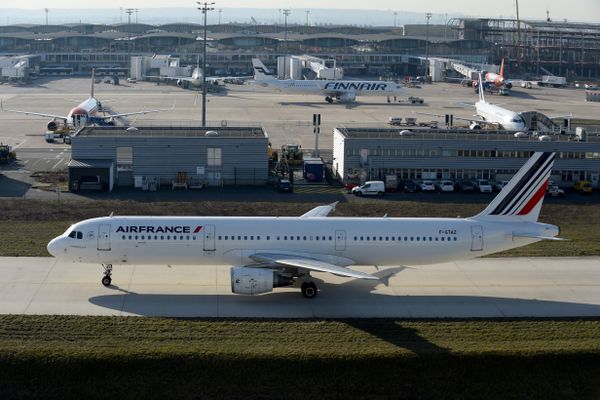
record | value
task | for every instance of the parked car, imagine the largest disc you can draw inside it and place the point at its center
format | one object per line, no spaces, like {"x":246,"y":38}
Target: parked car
{"x":409,"y":186}
{"x":284,"y":185}
{"x":131,"y":80}
{"x":427,"y":186}
{"x":370,"y":188}
{"x":554,"y":191}
{"x":445,"y":186}
{"x":500,"y":185}
{"x":583,"y":187}
{"x":465,"y":186}
{"x":484,"y":186}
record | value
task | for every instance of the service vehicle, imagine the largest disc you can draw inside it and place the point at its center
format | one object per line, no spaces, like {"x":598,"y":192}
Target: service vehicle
{"x":554,"y":191}
{"x":583,"y":187}
{"x":370,"y":188}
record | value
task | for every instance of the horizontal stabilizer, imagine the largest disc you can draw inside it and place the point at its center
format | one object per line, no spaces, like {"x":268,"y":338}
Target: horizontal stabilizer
{"x":534,"y":236}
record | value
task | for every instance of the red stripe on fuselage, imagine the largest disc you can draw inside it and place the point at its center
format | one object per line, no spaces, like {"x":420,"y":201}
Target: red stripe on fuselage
{"x":534,"y":200}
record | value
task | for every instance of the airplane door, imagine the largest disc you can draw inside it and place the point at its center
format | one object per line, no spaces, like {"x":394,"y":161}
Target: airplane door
{"x":104,"y":237}
{"x":477,"y":238}
{"x":340,"y":240}
{"x":209,"y":238}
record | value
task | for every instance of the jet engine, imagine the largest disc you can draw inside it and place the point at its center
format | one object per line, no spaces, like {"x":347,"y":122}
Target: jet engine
{"x":52,"y":126}
{"x":248,"y":280}
{"x":179,"y":82}
{"x":508,"y":85}
{"x":474,"y":126}
{"x":347,"y":97}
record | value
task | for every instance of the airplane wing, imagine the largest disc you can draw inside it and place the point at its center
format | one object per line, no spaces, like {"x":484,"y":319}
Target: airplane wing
{"x":287,"y":260}
{"x":320,"y":211}
{"x":174,"y":78}
{"x":479,"y":121}
{"x":33,"y":113}
{"x":134,"y":113}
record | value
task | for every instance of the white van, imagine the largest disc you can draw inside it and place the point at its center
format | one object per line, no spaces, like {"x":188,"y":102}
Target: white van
{"x":370,"y":188}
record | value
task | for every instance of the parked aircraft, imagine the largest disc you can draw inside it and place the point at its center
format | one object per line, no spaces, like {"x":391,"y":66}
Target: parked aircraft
{"x":491,"y":114}
{"x":196,"y":79}
{"x":342,"y":90}
{"x":269,"y":252}
{"x":86,"y":113}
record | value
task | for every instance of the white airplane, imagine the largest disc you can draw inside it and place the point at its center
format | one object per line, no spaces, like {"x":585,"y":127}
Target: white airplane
{"x":83,"y":114}
{"x":269,"y":252}
{"x":491,"y":114}
{"x":342,"y":90}
{"x":196,"y":79}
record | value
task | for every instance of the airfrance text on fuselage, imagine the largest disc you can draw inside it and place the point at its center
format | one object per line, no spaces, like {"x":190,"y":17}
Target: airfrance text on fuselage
{"x":356,"y":86}
{"x":157,"y":229}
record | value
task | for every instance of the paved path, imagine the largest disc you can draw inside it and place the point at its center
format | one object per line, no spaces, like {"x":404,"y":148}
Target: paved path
{"x":502,"y":287}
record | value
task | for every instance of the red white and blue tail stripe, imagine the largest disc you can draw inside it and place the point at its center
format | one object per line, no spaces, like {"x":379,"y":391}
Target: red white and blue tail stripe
{"x":522,"y":197}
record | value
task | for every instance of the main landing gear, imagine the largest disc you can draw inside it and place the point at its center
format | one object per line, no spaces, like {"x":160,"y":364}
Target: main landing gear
{"x":106,"y":280}
{"x":329,"y":99}
{"x":309,"y":289}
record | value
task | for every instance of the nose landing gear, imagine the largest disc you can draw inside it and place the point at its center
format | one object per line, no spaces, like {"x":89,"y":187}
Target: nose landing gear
{"x":106,"y":279}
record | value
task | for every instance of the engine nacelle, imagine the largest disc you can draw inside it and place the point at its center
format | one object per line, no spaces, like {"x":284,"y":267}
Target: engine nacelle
{"x":248,"y":280}
{"x":508,"y":85}
{"x":474,"y":126}
{"x":52,"y":126}
{"x":179,"y":83}
{"x":347,"y":97}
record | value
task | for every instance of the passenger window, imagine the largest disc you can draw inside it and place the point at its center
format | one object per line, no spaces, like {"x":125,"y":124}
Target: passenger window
{"x":162,"y":238}
{"x":258,"y":238}
{"x":168,"y":237}
{"x":285,"y":238}
{"x":239,"y":238}
{"x":123,"y":237}
{"x":219,"y":237}
{"x":181,"y":237}
{"x":330,"y":238}
{"x":418,"y":238}
{"x":136,"y":237}
{"x":143,"y":237}
{"x":129,"y":237}
{"x":406,"y":238}
{"x":381,"y":238}
{"x":174,"y":237}
{"x":278,"y":237}
{"x":268,"y":237}
{"x":251,"y":237}
{"x":297,"y":237}
{"x":188,"y":238}
{"x":245,"y":237}
{"x":442,"y":238}
{"x":291,"y":238}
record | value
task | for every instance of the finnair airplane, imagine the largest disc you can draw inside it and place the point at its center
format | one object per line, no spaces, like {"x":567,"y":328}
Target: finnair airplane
{"x":343,"y":90}
{"x":492,"y":114}
{"x":83,"y":114}
{"x":270,"y":252}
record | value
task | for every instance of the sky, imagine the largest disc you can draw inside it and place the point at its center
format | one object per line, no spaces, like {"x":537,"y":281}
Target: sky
{"x":585,"y":10}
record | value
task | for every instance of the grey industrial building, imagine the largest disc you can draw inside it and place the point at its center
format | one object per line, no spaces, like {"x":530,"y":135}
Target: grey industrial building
{"x":105,"y":158}
{"x":361,"y":154}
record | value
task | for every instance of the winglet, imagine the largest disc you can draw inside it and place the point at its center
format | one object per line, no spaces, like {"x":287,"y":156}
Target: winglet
{"x":320,"y":211}
{"x":93,"y":82}
{"x":481,"y":89}
{"x":501,"y":74}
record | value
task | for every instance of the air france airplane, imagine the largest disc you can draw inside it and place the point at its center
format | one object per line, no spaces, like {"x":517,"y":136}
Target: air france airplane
{"x":492,"y":114}
{"x":83,"y":114}
{"x":269,"y":252}
{"x":342,"y":90}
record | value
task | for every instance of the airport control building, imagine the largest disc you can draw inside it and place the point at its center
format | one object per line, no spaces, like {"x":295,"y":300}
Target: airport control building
{"x":103,"y":158}
{"x":361,"y":154}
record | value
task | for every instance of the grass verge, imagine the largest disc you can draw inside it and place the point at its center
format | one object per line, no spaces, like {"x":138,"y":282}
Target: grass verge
{"x":128,"y":357}
{"x":28,"y":225}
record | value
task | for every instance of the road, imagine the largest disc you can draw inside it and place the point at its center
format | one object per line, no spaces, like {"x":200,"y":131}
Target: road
{"x":490,"y":287}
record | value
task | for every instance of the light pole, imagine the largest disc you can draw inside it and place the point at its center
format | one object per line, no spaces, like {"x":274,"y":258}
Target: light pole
{"x":428,"y":16}
{"x":220,"y":11}
{"x":395,"y":16}
{"x":46,"y":10}
{"x":205,"y":8}
{"x":121,"y":14}
{"x":286,"y":12}
{"x":307,"y":17}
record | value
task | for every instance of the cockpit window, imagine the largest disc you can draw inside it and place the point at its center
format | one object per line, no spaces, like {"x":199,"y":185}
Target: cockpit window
{"x":76,"y":235}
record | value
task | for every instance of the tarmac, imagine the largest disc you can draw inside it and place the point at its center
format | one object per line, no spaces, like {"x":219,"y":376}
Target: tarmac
{"x":480,"y":288}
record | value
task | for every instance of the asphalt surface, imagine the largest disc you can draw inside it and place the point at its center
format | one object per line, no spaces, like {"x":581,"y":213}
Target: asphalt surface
{"x":489,"y":287}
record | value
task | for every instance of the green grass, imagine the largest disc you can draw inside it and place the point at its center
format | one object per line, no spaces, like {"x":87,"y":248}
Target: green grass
{"x":28,"y":225}
{"x":129,"y":357}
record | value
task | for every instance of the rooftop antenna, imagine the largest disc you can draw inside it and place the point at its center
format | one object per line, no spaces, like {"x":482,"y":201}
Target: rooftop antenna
{"x":548,"y":16}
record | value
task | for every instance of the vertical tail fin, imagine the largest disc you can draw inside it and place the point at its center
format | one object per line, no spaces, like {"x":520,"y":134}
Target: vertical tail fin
{"x":261,"y":73}
{"x":501,"y":74}
{"x":93,"y":82}
{"x":481,"y":89}
{"x":522,"y":197}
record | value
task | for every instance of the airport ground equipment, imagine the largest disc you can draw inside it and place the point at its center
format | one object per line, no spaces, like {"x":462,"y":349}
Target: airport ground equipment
{"x":7,"y":155}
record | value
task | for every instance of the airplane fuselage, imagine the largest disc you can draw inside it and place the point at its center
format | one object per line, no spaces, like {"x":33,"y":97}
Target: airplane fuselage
{"x":329,"y":87}
{"x":508,"y":119}
{"x":83,"y":113}
{"x":231,"y":240}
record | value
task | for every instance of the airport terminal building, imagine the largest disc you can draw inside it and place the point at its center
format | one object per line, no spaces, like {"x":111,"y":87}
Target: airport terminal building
{"x":361,"y":154}
{"x":104,"y":158}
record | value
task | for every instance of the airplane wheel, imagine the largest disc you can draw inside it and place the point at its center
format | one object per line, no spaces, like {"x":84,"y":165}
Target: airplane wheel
{"x":329,"y":99}
{"x":309,"y":290}
{"x":106,"y":281}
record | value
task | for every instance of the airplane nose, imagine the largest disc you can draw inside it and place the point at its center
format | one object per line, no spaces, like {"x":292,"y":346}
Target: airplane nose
{"x":53,"y":247}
